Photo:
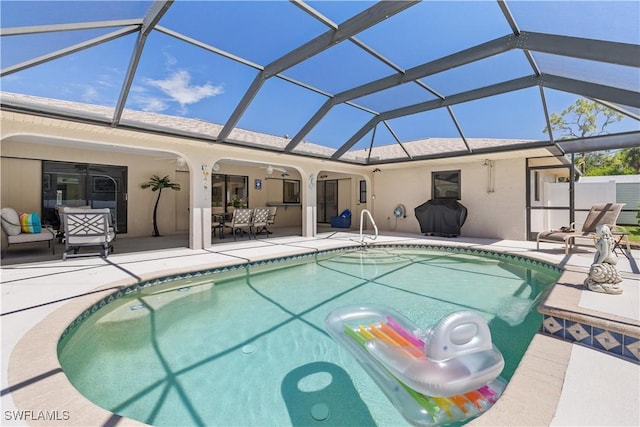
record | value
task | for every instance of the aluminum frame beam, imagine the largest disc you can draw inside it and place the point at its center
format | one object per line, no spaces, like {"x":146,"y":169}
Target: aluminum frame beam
{"x":151,"y":19}
{"x":601,"y":142}
{"x":68,"y":50}
{"x":576,"y":47}
{"x":360,"y":22}
{"x":476,"y":53}
{"x":592,"y":90}
{"x":595,"y":50}
{"x":38,"y":29}
{"x":483,"y":92}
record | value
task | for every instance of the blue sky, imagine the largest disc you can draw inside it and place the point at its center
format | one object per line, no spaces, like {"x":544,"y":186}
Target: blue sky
{"x":180,"y":79}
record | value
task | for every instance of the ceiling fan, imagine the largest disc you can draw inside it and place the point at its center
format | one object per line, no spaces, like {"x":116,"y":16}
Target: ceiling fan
{"x":178,"y":161}
{"x":270,"y":169}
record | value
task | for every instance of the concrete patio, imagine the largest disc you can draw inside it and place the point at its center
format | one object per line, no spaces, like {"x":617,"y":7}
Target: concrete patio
{"x":557,"y":382}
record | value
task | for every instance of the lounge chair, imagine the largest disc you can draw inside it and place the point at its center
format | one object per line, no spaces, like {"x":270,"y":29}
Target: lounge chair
{"x":600,"y":214}
{"x":13,"y":233}
{"x":87,"y":227}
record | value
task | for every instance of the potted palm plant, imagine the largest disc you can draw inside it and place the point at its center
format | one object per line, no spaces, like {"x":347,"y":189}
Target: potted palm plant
{"x":158,"y":184}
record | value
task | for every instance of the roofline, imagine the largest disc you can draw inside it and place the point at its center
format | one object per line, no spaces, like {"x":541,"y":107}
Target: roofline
{"x":72,"y":115}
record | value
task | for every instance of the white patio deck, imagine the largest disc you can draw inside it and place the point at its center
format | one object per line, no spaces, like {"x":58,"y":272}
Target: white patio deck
{"x":557,"y":383}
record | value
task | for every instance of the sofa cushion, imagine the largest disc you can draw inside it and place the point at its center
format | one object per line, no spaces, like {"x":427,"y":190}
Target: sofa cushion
{"x":43,"y":236}
{"x":30,"y":223}
{"x":10,"y":221}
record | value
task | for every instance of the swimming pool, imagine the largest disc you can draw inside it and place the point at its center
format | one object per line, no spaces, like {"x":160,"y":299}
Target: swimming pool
{"x":246,"y":345}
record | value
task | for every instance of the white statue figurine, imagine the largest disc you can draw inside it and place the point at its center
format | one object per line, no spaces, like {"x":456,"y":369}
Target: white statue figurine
{"x":603,"y":276}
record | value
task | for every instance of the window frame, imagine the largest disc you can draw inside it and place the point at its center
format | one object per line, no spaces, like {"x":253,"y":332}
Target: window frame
{"x":295,"y":194}
{"x":363,"y":191}
{"x":438,"y":176}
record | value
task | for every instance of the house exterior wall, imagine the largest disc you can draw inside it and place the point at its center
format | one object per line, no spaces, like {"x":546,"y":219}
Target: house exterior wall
{"x":497,"y":212}
{"x":22,"y":184}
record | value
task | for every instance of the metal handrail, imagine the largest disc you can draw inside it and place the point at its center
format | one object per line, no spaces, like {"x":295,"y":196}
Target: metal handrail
{"x":375,"y":227}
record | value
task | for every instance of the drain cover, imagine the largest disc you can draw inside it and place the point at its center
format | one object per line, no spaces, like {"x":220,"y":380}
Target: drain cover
{"x":249,"y":349}
{"x":320,"y":412}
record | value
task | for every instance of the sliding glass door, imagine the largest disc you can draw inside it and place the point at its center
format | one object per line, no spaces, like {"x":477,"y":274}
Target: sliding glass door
{"x":229,"y":191}
{"x":327,"y":198}
{"x":81,"y":184}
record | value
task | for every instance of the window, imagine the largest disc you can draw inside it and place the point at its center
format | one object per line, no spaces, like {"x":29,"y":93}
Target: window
{"x":291,"y":191}
{"x":229,"y":190}
{"x":445,"y":185}
{"x":363,"y":192}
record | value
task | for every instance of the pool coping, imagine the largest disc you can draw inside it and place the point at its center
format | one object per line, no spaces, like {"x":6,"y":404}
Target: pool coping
{"x":28,"y":364}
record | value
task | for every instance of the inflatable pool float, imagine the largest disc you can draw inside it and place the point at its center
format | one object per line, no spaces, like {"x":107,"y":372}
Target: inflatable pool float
{"x":445,"y":374}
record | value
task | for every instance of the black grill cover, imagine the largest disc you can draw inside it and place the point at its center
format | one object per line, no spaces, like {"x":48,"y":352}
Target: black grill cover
{"x":441,"y":217}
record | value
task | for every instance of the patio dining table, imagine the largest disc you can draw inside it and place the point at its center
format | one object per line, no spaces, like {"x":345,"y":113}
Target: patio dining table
{"x":221,"y":219}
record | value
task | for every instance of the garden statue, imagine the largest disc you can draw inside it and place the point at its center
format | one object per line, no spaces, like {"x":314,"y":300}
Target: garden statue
{"x":603,"y":276}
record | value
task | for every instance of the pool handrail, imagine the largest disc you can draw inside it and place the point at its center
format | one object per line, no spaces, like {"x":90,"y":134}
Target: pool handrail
{"x":375,"y":227}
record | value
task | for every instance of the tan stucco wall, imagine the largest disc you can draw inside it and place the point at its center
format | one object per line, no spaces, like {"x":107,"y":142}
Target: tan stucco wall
{"x":500,"y":214}
{"x":21,"y":184}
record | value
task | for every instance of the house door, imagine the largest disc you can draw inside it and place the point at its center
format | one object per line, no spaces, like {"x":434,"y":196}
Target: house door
{"x":550,"y":201}
{"x":81,"y":184}
{"x":327,"y":198}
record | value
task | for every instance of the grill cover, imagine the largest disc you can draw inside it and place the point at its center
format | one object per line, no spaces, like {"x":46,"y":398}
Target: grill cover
{"x":441,"y":217}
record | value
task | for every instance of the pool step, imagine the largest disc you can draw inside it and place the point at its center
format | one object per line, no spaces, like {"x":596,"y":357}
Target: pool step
{"x":370,"y":257}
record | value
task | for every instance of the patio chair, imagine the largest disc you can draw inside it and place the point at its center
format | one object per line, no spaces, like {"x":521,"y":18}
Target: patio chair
{"x":60,"y":215}
{"x":272,"y":217}
{"x":241,"y":219}
{"x":217,"y":222}
{"x":260,"y":220}
{"x":87,"y":228}
{"x":600,"y":214}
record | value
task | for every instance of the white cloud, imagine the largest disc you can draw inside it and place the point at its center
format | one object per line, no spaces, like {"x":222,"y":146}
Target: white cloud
{"x":90,"y":94}
{"x":169,"y":59}
{"x":150,"y":103}
{"x":177,"y":86}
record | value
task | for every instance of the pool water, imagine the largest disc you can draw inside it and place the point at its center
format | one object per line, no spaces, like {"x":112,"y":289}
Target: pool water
{"x":249,"y":347}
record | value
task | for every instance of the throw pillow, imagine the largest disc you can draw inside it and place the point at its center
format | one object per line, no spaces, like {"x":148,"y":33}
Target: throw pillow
{"x":30,"y":223}
{"x":10,"y":222}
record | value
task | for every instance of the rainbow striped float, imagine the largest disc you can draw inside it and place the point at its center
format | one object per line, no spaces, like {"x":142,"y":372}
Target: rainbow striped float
{"x":448,"y":373}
